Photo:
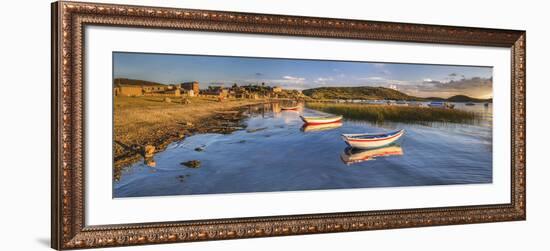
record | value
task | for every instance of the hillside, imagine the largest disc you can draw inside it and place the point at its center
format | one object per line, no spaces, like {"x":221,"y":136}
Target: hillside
{"x":126,"y":81}
{"x":464,"y":98}
{"x":362,"y":92}
{"x":460,"y":98}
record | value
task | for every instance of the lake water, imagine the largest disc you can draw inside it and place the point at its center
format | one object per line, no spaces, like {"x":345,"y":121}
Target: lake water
{"x":274,"y":153}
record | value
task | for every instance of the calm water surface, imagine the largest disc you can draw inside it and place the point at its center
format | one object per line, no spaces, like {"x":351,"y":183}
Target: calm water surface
{"x":274,"y":153}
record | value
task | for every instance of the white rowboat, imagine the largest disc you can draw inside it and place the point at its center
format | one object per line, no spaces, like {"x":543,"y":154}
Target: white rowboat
{"x":289,"y":108}
{"x":320,"y":120}
{"x":321,"y":127}
{"x":369,"y":140}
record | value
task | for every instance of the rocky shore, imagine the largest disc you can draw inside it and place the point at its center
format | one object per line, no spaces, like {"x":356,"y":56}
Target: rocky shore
{"x":145,"y":126}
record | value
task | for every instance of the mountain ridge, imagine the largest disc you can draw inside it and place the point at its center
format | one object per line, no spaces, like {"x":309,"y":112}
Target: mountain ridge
{"x":128,"y":81}
{"x":359,"y":92}
{"x":378,"y":93}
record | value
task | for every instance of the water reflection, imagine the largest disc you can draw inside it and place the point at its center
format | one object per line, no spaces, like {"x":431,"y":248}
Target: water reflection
{"x":275,"y":108}
{"x":321,"y":127}
{"x":275,"y":152}
{"x":354,"y":155}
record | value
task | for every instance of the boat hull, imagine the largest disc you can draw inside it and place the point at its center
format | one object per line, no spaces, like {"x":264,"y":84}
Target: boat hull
{"x":321,"y":127}
{"x":321,"y":120}
{"x":370,"y":143}
{"x":294,"y":108}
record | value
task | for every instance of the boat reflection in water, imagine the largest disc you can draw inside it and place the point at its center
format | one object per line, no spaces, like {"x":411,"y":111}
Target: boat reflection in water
{"x":354,"y":155}
{"x":321,"y":127}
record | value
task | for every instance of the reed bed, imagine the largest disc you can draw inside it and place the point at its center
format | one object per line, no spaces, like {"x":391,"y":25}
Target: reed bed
{"x":381,"y":113}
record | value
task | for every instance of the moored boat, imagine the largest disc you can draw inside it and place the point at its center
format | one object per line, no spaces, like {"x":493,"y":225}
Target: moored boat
{"x":321,"y":127}
{"x":441,"y":104}
{"x":310,"y":120}
{"x":372,"y":140}
{"x":401,"y":103}
{"x":291,"y":108}
{"x":353,"y":155}
{"x":470,"y":103}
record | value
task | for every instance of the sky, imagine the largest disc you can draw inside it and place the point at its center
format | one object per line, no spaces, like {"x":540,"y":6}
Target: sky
{"x":421,"y":80}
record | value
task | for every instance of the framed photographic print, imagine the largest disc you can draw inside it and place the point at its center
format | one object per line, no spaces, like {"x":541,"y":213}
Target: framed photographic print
{"x":177,"y":125}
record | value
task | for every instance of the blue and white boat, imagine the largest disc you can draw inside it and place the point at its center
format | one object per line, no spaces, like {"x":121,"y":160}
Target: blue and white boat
{"x":441,"y":104}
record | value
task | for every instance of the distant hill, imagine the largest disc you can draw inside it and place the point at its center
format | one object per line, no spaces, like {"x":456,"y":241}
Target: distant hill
{"x":464,"y":98}
{"x":361,"y":92}
{"x":460,"y":98}
{"x":436,"y":99}
{"x":126,"y":81}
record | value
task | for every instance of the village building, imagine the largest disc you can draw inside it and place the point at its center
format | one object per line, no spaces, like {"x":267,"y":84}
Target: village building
{"x":128,"y":90}
{"x":217,"y":91}
{"x":238,"y":92}
{"x":154,"y":88}
{"x":188,"y":93}
{"x":252,"y":96}
{"x":277,"y":89}
{"x":191,"y":86}
{"x":175,"y":92}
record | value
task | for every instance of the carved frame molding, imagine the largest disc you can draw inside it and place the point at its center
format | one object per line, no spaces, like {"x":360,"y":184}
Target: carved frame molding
{"x":68,"y":225}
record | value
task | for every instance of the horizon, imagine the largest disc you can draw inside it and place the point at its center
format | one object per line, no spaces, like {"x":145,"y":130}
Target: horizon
{"x":419,"y":80}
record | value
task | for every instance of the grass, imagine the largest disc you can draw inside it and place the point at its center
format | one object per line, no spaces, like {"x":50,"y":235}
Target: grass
{"x":140,"y":121}
{"x":136,"y":118}
{"x":381,"y":113}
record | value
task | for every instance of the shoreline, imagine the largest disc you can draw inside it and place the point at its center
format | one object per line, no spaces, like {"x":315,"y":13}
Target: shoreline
{"x":137,"y":140}
{"x":145,"y":126}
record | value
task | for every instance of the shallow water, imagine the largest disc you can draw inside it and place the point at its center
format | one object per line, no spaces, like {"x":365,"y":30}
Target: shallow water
{"x":274,"y":153}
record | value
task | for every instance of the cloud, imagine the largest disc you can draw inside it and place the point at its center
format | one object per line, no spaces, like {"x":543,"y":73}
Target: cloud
{"x":474,"y":87}
{"x":375,"y":78}
{"x":291,"y":78}
{"x":287,"y":81}
{"x":259,"y":74}
{"x":323,"y":80}
{"x":381,"y":68}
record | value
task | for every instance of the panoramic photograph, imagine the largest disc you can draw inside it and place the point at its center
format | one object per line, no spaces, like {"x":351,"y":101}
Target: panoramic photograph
{"x":198,"y":124}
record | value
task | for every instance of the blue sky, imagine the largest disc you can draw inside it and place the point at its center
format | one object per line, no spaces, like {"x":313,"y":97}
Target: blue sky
{"x":414,"y":79}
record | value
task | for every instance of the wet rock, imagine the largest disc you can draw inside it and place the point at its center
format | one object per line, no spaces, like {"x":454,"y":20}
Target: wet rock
{"x":150,"y":162}
{"x":192,"y":163}
{"x":185,"y":101}
{"x":149,"y":151}
{"x":135,"y":147}
{"x":255,"y":129}
{"x":200,"y":148}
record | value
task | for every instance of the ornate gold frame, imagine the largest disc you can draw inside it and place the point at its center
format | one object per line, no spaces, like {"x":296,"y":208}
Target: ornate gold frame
{"x":68,"y":204}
